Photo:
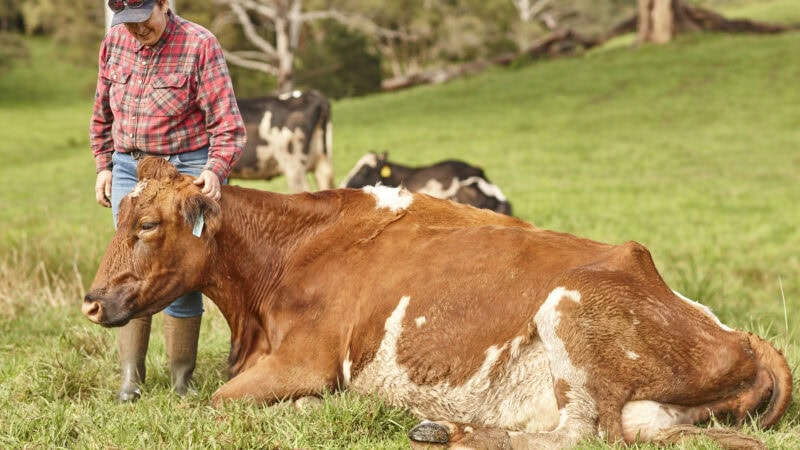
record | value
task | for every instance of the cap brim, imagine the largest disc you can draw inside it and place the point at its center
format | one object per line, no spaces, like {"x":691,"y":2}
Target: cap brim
{"x":137,"y":15}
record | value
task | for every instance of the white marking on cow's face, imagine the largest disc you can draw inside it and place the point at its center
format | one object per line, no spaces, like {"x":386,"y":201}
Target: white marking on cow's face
{"x":420,"y":321}
{"x":368,"y":160}
{"x":580,"y":404}
{"x":138,"y":188}
{"x":518,"y":396}
{"x":705,"y":309}
{"x":394,"y":198}
{"x":347,"y":366}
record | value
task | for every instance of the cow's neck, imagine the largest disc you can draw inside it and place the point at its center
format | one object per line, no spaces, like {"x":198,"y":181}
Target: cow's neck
{"x":399,"y":174}
{"x":259,"y":230}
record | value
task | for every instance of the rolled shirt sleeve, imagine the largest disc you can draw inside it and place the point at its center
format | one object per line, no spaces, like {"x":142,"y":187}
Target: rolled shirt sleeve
{"x":216,"y":98}
{"x":100,"y":137}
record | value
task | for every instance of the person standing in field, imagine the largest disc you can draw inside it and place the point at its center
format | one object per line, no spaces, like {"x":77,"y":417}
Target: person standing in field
{"x":163,"y":89}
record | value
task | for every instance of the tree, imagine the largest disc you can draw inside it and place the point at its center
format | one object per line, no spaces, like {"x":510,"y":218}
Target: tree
{"x":273,"y":29}
{"x":659,"y":21}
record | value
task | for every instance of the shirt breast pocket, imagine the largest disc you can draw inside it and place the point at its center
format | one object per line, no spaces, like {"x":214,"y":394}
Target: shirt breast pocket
{"x":169,"y":96}
{"x":118,"y":88}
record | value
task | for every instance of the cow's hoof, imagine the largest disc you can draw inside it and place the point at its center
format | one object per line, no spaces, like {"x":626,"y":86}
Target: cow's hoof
{"x":431,"y":432}
{"x":127,"y":396}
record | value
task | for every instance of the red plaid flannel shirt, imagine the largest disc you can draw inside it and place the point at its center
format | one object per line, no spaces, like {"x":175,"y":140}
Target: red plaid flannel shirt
{"x":171,"y":98}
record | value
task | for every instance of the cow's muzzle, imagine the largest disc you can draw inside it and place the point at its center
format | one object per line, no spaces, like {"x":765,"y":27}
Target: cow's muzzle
{"x":94,"y":309}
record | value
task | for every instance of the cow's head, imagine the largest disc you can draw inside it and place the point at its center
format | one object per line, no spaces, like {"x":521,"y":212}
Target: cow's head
{"x":368,"y":171}
{"x":161,"y":250}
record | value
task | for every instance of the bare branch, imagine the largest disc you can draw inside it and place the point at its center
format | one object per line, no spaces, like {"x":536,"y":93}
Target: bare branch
{"x":250,"y":30}
{"x":528,"y":11}
{"x":260,"y":8}
{"x":358,"y":22}
{"x":236,"y":59}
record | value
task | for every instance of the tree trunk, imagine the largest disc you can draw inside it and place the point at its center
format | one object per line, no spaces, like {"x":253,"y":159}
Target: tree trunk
{"x":659,"y":21}
{"x":656,"y":21}
{"x":283,"y":31}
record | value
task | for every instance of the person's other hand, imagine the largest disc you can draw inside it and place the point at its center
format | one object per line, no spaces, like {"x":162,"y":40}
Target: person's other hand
{"x":210,"y":184}
{"x":102,"y":188}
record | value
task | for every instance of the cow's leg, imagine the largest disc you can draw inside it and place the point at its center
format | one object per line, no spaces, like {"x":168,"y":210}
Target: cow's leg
{"x":323,"y":173}
{"x":296,"y":177}
{"x":322,"y":157}
{"x":612,"y":340}
{"x":274,"y":378}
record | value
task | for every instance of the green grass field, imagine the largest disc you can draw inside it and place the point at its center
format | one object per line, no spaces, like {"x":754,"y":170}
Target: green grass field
{"x":692,"y":149}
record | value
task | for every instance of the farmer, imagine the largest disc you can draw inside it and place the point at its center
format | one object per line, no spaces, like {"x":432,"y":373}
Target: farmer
{"x":163,"y":88}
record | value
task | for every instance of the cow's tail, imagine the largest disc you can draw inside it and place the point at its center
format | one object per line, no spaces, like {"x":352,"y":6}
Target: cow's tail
{"x":773,"y":363}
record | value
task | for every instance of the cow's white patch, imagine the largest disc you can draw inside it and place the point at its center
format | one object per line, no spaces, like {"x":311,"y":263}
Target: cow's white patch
{"x":705,"y":309}
{"x":515,"y":346}
{"x":347,"y":366}
{"x":645,"y":418}
{"x":631,"y":355}
{"x":394,"y":198}
{"x":420,"y":321}
{"x":487,"y":188}
{"x":138,"y":188}
{"x":265,"y":125}
{"x":518,"y":397}
{"x":435,"y":188}
{"x":581,"y":409}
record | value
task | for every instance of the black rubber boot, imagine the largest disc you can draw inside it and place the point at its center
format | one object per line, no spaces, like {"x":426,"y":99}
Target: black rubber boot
{"x":181,"y":337}
{"x":132,"y":342}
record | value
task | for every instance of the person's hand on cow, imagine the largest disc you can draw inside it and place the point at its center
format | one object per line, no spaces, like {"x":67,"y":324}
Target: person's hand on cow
{"x":211,"y":187}
{"x":102,"y":188}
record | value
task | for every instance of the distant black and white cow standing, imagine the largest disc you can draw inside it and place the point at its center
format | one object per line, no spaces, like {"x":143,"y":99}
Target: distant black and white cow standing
{"x":287,"y":135}
{"x":450,"y":180}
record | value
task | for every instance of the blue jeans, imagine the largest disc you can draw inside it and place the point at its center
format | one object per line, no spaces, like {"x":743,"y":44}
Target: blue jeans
{"x":124,"y":180}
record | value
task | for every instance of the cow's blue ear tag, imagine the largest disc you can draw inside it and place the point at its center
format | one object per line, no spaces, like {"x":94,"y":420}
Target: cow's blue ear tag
{"x":198,"y":224}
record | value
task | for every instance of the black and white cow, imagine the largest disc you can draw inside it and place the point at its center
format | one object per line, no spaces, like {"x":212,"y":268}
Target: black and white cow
{"x":287,"y":135}
{"x":451,"y":179}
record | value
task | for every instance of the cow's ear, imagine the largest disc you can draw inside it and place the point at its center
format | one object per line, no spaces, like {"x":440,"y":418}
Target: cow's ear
{"x":383,"y":156}
{"x":202,"y":214}
{"x":157,"y":168}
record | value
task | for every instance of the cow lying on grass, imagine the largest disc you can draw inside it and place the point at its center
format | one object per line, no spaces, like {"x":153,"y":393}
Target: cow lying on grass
{"x":451,"y":180}
{"x":534,"y":338}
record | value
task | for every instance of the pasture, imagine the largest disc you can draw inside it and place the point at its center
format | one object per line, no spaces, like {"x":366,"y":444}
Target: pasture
{"x":691,"y":149}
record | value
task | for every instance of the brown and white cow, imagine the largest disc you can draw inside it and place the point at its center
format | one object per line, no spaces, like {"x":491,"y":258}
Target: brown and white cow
{"x":535,"y":338}
{"x":287,"y":135}
{"x":450,"y":179}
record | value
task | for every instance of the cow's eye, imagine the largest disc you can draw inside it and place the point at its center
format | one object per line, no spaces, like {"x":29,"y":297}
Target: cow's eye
{"x":147,"y":226}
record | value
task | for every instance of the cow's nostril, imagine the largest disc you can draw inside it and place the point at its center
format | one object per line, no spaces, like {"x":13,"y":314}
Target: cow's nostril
{"x":92,"y":309}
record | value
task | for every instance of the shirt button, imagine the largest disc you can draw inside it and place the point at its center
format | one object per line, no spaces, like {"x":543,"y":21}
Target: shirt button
{"x":131,"y":135}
